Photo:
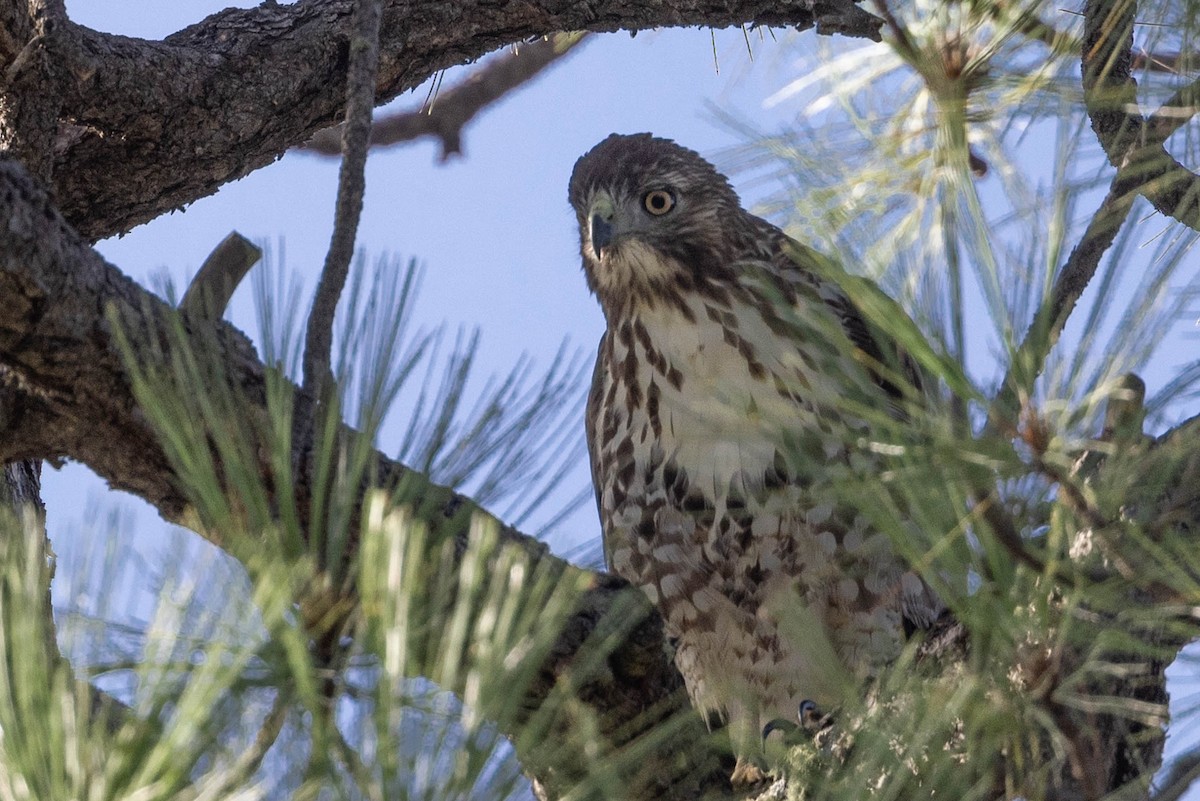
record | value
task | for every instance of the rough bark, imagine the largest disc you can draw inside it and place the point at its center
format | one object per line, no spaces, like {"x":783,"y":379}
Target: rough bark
{"x":149,"y":126}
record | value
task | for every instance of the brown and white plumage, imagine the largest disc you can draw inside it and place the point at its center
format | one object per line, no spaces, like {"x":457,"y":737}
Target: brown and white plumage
{"x":716,"y":425}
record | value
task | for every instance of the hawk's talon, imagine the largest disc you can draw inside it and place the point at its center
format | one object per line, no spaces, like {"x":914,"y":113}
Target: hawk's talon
{"x":812,"y":719}
{"x":779,"y":724}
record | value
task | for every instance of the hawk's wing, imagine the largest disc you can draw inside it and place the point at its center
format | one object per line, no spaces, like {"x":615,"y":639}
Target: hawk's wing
{"x":795,"y":263}
{"x":590,"y":418}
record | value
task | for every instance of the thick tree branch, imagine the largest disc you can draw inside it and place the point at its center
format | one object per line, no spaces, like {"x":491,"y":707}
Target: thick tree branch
{"x":27,"y":126}
{"x":151,"y":126}
{"x":58,"y":349}
{"x":451,"y":109}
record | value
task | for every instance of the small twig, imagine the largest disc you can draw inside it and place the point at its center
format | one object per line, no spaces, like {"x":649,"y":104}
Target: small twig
{"x":214,"y":283}
{"x":460,"y":104}
{"x":360,"y":100}
{"x":318,"y":342}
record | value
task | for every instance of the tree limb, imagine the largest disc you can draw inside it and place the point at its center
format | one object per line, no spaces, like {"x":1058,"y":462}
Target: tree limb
{"x":360,"y":99}
{"x":153,"y":125}
{"x":213,"y":284}
{"x":448,"y":113}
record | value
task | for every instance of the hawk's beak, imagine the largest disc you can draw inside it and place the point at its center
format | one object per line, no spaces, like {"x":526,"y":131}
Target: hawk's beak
{"x":602,"y":234}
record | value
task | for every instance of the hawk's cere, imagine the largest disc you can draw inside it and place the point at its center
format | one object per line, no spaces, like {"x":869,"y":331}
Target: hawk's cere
{"x":716,"y":427}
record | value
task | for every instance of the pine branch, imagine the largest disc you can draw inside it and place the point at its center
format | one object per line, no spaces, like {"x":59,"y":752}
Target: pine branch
{"x":360,"y":99}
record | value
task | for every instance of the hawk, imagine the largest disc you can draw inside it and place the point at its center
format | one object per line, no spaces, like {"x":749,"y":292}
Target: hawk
{"x":716,"y":427}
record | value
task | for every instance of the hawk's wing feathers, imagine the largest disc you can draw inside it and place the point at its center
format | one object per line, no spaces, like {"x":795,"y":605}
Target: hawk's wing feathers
{"x":798,"y":264}
{"x":592,"y":415}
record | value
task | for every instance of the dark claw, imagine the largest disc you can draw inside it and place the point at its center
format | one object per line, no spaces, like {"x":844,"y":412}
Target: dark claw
{"x":811,"y":718}
{"x":779,"y":724}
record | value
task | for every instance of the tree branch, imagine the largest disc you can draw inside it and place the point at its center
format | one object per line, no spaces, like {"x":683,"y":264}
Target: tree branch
{"x":360,"y":99}
{"x":214,"y":283}
{"x":144,"y":139}
{"x":448,"y":113}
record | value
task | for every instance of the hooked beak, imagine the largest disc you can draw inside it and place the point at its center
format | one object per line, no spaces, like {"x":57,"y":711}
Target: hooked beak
{"x":602,"y":234}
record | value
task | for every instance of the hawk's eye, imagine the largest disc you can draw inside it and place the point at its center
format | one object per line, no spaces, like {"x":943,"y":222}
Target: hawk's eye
{"x":658,"y":202}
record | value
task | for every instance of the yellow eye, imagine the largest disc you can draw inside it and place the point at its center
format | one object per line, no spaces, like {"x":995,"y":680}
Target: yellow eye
{"x":658,"y":202}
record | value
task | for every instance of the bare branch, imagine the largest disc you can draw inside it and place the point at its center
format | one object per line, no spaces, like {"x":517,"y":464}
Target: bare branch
{"x":214,"y":283}
{"x":453,"y":108}
{"x":360,"y":99}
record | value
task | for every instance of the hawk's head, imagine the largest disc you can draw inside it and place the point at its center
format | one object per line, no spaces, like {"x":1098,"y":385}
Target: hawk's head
{"x":654,"y":220}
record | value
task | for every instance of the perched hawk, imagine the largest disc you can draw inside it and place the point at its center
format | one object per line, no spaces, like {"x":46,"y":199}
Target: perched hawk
{"x":717,"y":427}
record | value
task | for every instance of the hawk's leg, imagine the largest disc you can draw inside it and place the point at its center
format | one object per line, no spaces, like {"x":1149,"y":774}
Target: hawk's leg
{"x":742,"y":715}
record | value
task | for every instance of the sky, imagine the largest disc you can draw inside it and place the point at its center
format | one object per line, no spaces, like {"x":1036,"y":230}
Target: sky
{"x":492,"y":228}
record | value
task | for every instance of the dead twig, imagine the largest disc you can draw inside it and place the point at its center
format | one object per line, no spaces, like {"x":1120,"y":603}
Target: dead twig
{"x":214,"y":283}
{"x":453,"y":108}
{"x":360,"y":101}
